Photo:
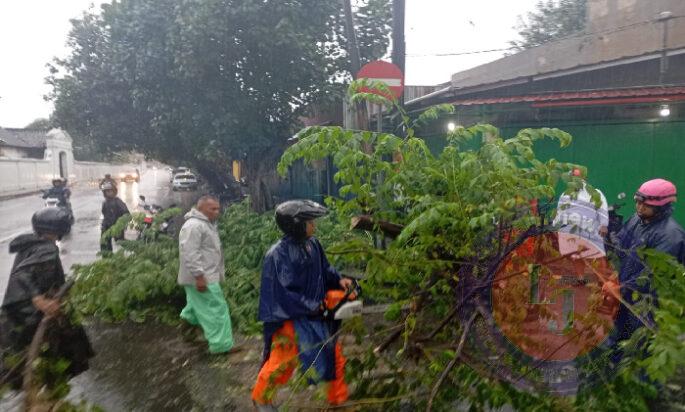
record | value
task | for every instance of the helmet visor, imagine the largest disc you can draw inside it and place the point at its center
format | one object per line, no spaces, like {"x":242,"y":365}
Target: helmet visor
{"x":643,"y":198}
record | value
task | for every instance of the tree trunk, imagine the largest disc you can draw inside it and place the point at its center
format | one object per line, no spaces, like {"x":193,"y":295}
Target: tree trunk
{"x":262,"y":179}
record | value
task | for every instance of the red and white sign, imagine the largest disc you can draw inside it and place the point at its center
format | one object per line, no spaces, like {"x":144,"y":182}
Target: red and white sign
{"x":385,"y":72}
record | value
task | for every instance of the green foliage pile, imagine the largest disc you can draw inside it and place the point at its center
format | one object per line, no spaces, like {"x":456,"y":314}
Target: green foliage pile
{"x":138,"y":282}
{"x":462,"y":212}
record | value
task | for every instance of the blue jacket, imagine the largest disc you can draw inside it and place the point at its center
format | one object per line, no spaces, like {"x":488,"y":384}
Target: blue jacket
{"x":295,"y":278}
{"x":663,"y":234}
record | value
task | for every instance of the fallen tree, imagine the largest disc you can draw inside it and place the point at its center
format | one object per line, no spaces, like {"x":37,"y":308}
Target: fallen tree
{"x":469,"y":238}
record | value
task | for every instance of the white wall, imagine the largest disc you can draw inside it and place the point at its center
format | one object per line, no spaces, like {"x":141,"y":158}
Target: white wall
{"x":20,"y":176}
{"x":84,"y":172}
{"x":24,"y":175}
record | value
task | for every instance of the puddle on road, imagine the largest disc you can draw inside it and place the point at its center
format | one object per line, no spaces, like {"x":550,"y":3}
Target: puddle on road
{"x":150,"y":367}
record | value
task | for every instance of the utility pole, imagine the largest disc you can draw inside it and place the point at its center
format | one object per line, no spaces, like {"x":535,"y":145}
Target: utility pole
{"x":399,"y":46}
{"x":664,"y":18}
{"x":361,"y":113}
{"x":352,"y":46}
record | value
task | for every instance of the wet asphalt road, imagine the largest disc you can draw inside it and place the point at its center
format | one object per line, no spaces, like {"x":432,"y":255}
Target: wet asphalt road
{"x":82,"y":244}
{"x":113,"y":375}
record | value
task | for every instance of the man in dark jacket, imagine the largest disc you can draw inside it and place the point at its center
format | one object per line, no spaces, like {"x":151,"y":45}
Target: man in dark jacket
{"x":108,"y":179}
{"x":112,"y":209}
{"x":60,"y":191}
{"x":652,"y":227}
{"x":295,"y":280}
{"x":36,"y":276}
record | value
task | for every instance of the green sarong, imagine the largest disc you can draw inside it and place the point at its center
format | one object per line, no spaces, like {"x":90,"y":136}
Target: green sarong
{"x":209,"y":310}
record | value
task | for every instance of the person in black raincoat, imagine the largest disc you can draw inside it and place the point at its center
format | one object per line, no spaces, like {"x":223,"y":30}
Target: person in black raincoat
{"x":60,"y":191}
{"x":652,"y":227}
{"x":295,"y":280}
{"x":108,"y":179}
{"x":112,"y":209}
{"x":36,"y":276}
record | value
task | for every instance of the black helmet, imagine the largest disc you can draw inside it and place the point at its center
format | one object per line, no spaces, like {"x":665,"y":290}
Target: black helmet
{"x":291,"y":216}
{"x":51,"y":220}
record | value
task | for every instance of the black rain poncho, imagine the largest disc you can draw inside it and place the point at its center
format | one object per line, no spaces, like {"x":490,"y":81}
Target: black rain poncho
{"x":663,"y":234}
{"x":37,"y":270}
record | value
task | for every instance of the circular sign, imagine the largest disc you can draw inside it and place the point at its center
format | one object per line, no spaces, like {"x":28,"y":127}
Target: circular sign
{"x":549,"y":306}
{"x":385,"y":72}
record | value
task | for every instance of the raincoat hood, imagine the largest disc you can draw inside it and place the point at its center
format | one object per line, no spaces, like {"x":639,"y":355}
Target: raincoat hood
{"x":36,"y":270}
{"x":196,"y":214}
{"x":200,"y":251}
{"x":25,"y":241}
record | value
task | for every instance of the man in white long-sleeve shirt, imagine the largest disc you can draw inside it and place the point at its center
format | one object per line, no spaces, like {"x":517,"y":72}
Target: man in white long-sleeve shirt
{"x":201,"y":269}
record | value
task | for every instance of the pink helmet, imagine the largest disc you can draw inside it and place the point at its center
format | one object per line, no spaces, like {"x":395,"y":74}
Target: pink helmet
{"x":656,"y":192}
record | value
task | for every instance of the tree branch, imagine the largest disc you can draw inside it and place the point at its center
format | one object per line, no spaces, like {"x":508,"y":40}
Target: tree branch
{"x":453,"y":362}
{"x":366,"y":222}
{"x":34,"y":350}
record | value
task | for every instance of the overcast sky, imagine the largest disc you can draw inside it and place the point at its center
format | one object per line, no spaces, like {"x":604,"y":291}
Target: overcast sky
{"x":32,"y":32}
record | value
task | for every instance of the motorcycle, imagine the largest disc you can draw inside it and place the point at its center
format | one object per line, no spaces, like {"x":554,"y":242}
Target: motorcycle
{"x":151,"y":210}
{"x":51,"y":201}
{"x":616,"y":219}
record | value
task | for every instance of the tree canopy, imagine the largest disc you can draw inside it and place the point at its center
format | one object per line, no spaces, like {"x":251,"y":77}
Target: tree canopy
{"x":551,"y":20}
{"x":203,"y":82}
{"x":40,"y":124}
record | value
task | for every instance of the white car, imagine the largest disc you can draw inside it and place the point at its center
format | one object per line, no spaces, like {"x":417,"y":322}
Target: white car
{"x":184,"y":181}
{"x":179,"y":171}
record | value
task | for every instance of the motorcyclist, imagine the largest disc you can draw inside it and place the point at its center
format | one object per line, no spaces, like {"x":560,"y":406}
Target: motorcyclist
{"x":296,"y":279}
{"x":35,"y":277}
{"x":60,"y":191}
{"x":651,"y":227}
{"x":108,"y":179}
{"x":112,"y":209}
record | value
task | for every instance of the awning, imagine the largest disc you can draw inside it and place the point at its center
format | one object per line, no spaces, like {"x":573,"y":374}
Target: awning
{"x":587,"y":98}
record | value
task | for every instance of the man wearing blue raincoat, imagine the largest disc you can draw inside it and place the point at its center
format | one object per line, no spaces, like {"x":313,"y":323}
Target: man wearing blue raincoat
{"x":296,"y":278}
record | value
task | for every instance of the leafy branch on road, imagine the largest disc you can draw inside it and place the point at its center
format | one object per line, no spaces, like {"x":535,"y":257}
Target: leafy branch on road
{"x":138,"y":282}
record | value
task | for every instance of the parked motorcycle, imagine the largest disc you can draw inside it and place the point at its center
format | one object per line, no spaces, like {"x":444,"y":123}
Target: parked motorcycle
{"x":616,"y":219}
{"x":151,"y":211}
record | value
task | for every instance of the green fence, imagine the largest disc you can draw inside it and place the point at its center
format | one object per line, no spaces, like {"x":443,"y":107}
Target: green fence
{"x":619,"y":157}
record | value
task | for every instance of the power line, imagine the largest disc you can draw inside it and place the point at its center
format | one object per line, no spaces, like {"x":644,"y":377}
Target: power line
{"x":574,"y":36}
{"x":460,"y":53}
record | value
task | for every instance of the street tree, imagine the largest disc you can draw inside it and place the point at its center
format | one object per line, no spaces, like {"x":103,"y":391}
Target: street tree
{"x":551,"y":20}
{"x":40,"y":124}
{"x":208,"y":82}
